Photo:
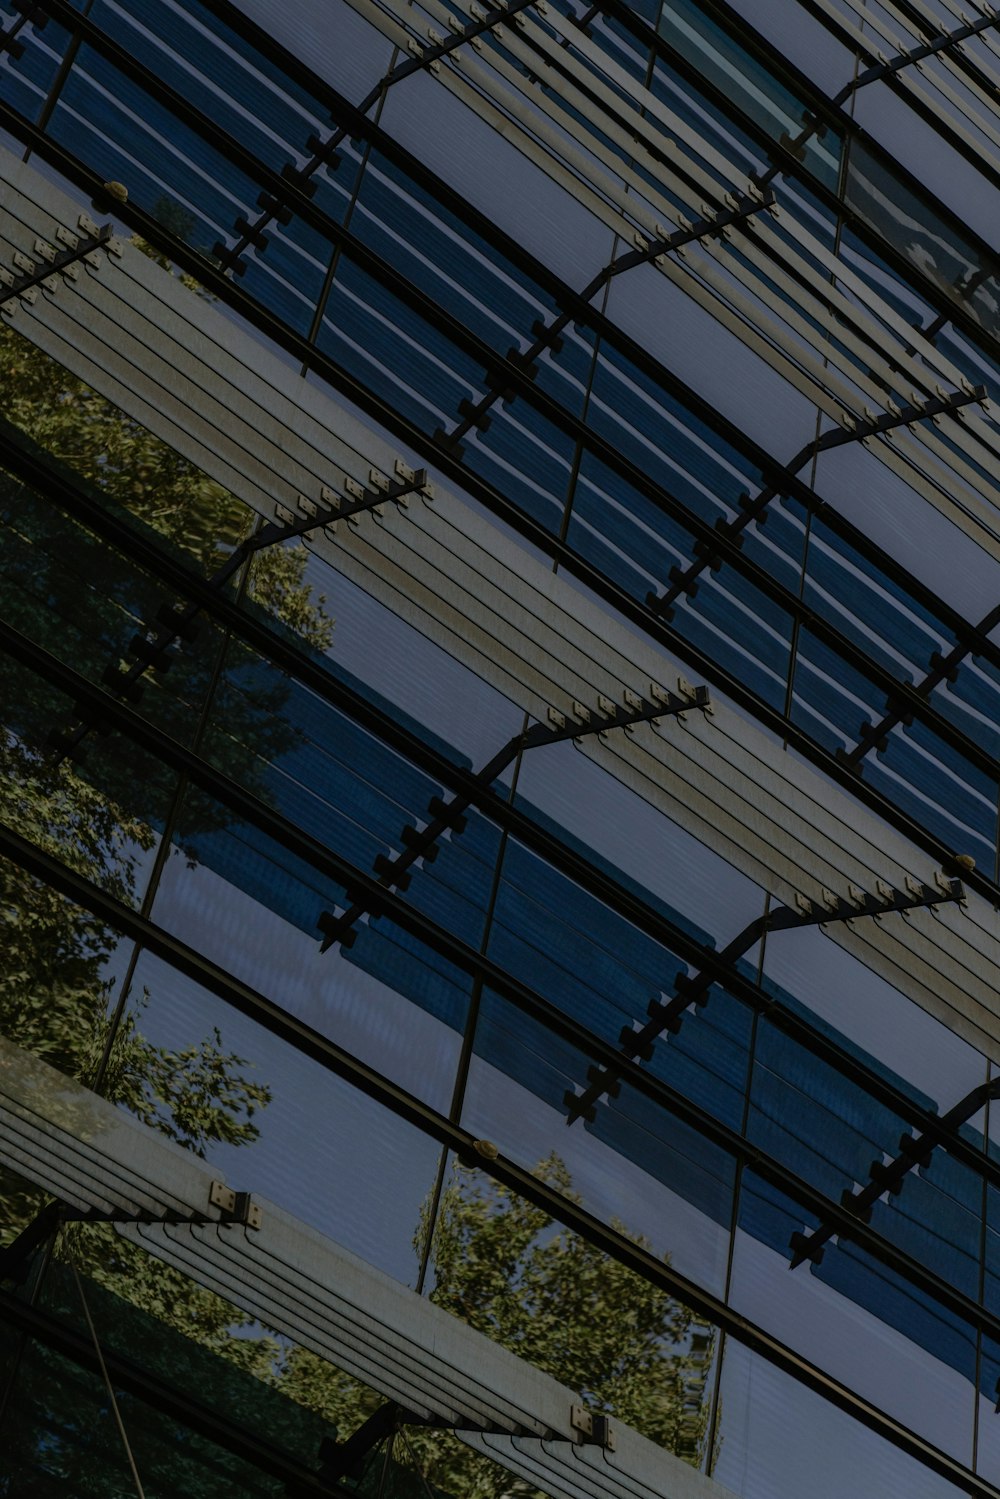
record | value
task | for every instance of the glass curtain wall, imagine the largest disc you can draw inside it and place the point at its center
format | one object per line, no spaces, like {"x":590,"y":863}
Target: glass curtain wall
{"x":295,"y":745}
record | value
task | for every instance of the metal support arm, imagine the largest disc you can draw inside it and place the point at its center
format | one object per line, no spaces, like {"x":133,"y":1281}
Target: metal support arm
{"x":549,"y":335}
{"x":324,"y":152}
{"x":421,"y":843}
{"x":151,"y":651}
{"x":695,"y":989}
{"x":890,"y":1176}
{"x":755,"y":508}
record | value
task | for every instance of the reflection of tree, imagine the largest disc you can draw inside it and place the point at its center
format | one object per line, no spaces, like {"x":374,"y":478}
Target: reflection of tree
{"x":505,"y":1268}
{"x":66,"y":589}
{"x":499,"y":1264}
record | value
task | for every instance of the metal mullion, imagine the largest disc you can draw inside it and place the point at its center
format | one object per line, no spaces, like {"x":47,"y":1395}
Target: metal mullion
{"x":303,"y":846}
{"x":603,"y":587}
{"x":759,"y":459}
{"x":561,"y":1208}
{"x":110,"y":909}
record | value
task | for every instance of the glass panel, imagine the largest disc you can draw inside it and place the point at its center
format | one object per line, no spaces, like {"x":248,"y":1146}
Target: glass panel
{"x":81,"y":600}
{"x":25,"y":81}
{"x":329,"y":36}
{"x":777,"y":1440}
{"x":909,"y":529}
{"x":971,"y":702}
{"x":831,"y":699}
{"x":954,"y":179}
{"x":988,"y":1430}
{"x":64,"y":1441}
{"x":748,"y":84}
{"x":241,"y":90}
{"x":507,"y":1269}
{"x":940,"y":789}
{"x":857,"y":1319}
{"x":448,"y":261}
{"x":890,"y":1033}
{"x":652,"y":857}
{"x":688,"y":340}
{"x":526,"y":457}
{"x":270,"y":1117}
{"x":61,"y":971}
{"x":938,"y":250}
{"x":644,"y":1172}
{"x":492,"y":174}
{"x":380,"y":656}
{"x":396,"y":351}
{"x":870,"y":607}
{"x":255,"y":909}
{"x":667,"y":442}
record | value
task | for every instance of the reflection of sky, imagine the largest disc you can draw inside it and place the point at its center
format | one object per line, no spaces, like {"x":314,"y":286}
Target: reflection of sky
{"x":778,"y":1438}
{"x":332,"y":39}
{"x":326,"y":1153}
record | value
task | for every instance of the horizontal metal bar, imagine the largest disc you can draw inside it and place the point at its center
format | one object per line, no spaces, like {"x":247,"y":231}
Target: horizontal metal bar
{"x":560,"y":856}
{"x":659,"y":1092}
{"x":553,"y":1202}
{"x":168,"y":1398}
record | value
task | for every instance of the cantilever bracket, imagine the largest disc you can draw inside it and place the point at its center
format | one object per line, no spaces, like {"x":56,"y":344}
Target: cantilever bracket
{"x":152,"y":651}
{"x":592,"y":1428}
{"x":890,"y":1176}
{"x":273,"y":204}
{"x":50,"y":262}
{"x":710,"y":553}
{"x":637,"y":1041}
{"x":234,"y":1208}
{"x":580,"y":723}
{"x":549,"y":335}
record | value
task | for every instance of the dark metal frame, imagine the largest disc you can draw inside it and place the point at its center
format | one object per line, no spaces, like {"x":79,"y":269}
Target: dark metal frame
{"x":553,"y":1202}
{"x":512,"y":377}
{"x":421,"y":843}
{"x":97,"y":707}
